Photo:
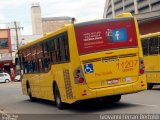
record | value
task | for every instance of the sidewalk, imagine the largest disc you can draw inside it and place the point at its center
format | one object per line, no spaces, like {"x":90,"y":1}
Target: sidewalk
{"x":5,"y":116}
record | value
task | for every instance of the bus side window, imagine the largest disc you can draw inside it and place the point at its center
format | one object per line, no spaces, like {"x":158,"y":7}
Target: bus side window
{"x":145,"y":46}
{"x":153,"y":46}
{"x":57,"y":48}
{"x":62,"y":50}
{"x":47,"y":56}
{"x":66,"y":47}
{"x":52,"y":50}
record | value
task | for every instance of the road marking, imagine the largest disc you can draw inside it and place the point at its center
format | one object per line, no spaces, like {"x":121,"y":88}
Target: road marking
{"x":145,"y":105}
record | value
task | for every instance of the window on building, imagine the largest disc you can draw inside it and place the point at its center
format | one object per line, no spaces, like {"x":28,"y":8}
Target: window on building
{"x":3,"y":43}
{"x":143,"y":9}
{"x":155,"y":5}
{"x":117,"y":2}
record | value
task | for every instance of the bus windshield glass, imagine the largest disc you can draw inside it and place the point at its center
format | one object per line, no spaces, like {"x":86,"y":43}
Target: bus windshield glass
{"x":106,"y":35}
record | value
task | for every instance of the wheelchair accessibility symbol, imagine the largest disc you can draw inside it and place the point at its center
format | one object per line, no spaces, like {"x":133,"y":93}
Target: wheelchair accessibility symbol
{"x":88,"y":68}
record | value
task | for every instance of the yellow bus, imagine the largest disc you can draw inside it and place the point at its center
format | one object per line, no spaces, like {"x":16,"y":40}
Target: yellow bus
{"x":94,"y":59}
{"x":151,"y":51}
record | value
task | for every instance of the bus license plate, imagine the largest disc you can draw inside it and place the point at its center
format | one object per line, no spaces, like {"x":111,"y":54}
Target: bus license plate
{"x":112,"y":81}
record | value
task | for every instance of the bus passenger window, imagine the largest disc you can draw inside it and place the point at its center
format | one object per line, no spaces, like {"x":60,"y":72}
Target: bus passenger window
{"x":52,"y":50}
{"x":30,"y":67}
{"x":53,"y":57}
{"x":46,"y":64}
{"x":34,"y":66}
{"x":66,"y":47}
{"x":58,"y":52}
{"x":25,"y":64}
{"x":153,"y":46}
{"x":145,"y":46}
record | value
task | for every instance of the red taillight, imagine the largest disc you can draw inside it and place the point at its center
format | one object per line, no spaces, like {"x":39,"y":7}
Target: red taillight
{"x":141,"y":66}
{"x":141,"y":71}
{"x":142,"y":62}
{"x":81,"y":80}
{"x":78,"y":76}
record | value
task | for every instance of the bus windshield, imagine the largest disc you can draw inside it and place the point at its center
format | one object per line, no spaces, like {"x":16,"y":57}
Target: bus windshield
{"x":106,"y":35}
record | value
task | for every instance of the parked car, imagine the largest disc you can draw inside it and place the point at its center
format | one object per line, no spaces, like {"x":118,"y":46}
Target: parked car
{"x":5,"y":77}
{"x":17,"y":78}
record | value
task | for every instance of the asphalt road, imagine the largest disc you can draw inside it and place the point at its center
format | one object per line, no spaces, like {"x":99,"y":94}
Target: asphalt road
{"x":13,"y":102}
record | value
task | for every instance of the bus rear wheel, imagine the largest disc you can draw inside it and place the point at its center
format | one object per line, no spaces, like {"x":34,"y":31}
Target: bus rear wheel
{"x":116,"y":98}
{"x":149,"y":86}
{"x":57,"y":97}
{"x":32,"y":99}
{"x":112,"y":99}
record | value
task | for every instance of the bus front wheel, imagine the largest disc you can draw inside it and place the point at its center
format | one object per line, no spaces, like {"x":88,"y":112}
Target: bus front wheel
{"x":32,"y":99}
{"x":58,"y":97}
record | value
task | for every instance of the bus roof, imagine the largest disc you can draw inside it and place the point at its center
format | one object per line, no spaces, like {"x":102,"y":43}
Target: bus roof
{"x":121,"y":16}
{"x":150,"y":35}
{"x":48,"y":35}
{"x":101,"y":21}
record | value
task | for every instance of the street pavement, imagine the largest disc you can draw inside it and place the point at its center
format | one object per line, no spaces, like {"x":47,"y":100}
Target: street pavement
{"x":12,"y":102}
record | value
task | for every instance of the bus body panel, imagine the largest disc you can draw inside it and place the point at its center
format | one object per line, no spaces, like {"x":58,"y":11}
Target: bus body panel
{"x":152,"y":63}
{"x":115,"y":69}
{"x":153,"y":77}
{"x":152,"y":67}
{"x":140,"y":85}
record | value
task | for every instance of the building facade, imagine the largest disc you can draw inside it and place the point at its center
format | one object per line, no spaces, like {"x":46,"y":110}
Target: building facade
{"x":42,"y":25}
{"x":115,"y":7}
{"x":36,"y":19}
{"x":6,"y":63}
{"x":146,"y":11}
{"x":50,"y":24}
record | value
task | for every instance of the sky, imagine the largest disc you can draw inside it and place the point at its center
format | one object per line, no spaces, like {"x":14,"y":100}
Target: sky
{"x":20,"y":10}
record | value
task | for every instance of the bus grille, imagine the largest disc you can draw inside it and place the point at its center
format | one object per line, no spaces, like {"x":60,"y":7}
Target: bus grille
{"x":67,"y":82}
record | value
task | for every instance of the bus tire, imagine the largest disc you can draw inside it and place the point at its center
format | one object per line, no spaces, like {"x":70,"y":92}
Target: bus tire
{"x":149,"y":86}
{"x":32,"y":99}
{"x":57,"y":97}
{"x":112,"y":99}
{"x":116,"y":98}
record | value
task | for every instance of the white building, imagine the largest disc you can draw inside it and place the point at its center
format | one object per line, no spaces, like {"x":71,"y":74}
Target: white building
{"x":115,"y":7}
{"x":42,"y":25}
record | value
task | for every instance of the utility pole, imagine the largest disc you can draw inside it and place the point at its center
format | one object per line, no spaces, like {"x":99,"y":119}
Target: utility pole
{"x":16,"y":29}
{"x":15,"y":24}
{"x":17,"y":41}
